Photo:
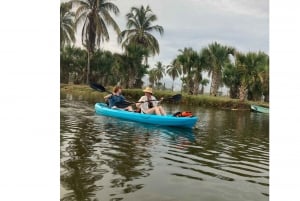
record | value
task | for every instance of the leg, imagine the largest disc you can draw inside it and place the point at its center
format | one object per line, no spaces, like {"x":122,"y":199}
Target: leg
{"x":129,"y":108}
{"x":153,"y":110}
{"x":161,"y":110}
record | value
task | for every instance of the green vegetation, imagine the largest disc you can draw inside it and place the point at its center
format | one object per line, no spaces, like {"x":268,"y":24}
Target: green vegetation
{"x":86,"y":93}
{"x":245,"y":74}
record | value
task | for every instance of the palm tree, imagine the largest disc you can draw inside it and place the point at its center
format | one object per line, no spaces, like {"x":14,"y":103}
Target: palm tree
{"x":174,"y":71}
{"x":139,"y":28}
{"x":67,"y":25}
{"x":249,"y":65}
{"x":152,"y":77}
{"x":200,"y":64}
{"x":96,"y":17}
{"x":217,"y":56}
{"x":128,"y":67}
{"x":231,"y":79}
{"x":203,"y":83}
{"x":134,"y":67}
{"x":72,"y":62}
{"x":264,"y":74}
{"x":160,"y":71}
{"x":188,"y":60}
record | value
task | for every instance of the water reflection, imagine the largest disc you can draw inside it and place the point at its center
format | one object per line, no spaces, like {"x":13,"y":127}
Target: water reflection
{"x":79,"y":172}
{"x":224,"y":158}
{"x":91,"y":149}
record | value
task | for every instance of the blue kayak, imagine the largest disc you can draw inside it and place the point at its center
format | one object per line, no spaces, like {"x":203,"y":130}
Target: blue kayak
{"x":256,"y":108}
{"x":168,"y":120}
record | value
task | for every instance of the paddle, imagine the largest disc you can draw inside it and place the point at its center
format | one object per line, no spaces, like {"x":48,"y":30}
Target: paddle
{"x":174,"y":98}
{"x":99,"y":87}
{"x":123,"y":104}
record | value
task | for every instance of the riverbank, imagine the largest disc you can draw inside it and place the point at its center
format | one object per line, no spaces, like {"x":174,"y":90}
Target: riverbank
{"x":84,"y":92}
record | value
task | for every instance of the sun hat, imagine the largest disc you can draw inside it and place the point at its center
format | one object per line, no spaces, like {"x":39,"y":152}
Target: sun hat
{"x":148,"y":89}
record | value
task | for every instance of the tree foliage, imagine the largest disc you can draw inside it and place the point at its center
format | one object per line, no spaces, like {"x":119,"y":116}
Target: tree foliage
{"x":67,"y":24}
{"x":245,"y":74}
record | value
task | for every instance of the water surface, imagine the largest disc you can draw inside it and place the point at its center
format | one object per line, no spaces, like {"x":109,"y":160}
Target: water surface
{"x":225,"y":157}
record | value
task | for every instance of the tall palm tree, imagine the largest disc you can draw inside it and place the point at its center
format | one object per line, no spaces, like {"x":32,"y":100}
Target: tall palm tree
{"x":174,"y":71}
{"x":139,"y":29}
{"x":217,"y":56}
{"x":67,"y":25}
{"x":188,"y":60}
{"x":200,"y":64}
{"x":160,"y":71}
{"x":95,"y":16}
{"x":249,"y":65}
{"x":152,"y":77}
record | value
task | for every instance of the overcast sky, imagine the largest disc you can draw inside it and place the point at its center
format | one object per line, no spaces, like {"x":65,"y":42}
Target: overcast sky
{"x":242,"y":24}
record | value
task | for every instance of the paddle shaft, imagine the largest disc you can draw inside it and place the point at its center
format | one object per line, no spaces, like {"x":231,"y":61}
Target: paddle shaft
{"x":127,"y":103}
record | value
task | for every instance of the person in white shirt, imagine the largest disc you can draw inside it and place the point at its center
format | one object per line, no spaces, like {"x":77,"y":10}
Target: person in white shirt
{"x":148,"y":103}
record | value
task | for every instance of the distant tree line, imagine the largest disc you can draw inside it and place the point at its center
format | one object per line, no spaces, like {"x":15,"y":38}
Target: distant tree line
{"x":245,"y":74}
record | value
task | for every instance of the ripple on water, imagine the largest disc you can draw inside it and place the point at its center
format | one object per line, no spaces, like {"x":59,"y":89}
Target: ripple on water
{"x":110,"y":159}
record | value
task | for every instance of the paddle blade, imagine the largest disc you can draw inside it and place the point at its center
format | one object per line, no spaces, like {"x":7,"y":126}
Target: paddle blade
{"x":177,"y":97}
{"x":97,"y":87}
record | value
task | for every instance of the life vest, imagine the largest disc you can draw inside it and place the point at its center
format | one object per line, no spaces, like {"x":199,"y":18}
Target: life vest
{"x":183,"y":114}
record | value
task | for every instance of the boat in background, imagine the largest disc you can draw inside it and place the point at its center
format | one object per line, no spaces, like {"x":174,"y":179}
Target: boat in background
{"x":256,"y":108}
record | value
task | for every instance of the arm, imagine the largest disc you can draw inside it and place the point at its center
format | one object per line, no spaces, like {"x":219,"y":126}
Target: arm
{"x":108,"y":96}
{"x":155,"y":102}
{"x":142,"y":99}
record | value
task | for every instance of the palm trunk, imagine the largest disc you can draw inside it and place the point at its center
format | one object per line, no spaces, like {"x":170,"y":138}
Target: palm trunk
{"x":191,"y":87}
{"x":196,"y":85}
{"x":233,"y":91}
{"x":131,"y":82}
{"x":88,"y":69}
{"x":243,"y":92}
{"x":215,"y":83}
{"x":182,"y":83}
{"x":202,"y":90}
{"x":173,"y":85}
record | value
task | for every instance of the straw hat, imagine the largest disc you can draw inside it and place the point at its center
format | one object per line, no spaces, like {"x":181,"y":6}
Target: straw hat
{"x":148,"y":89}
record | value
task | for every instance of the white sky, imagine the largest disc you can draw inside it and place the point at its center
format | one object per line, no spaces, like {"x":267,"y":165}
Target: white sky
{"x":242,"y":24}
{"x":196,"y":23}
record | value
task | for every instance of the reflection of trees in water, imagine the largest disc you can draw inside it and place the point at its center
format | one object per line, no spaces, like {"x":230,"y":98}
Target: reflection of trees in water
{"x":128,"y":156}
{"x":81,"y":172}
{"x":128,"y":151}
{"x":231,"y":133}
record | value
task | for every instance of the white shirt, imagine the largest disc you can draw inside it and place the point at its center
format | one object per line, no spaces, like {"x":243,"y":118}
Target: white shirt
{"x":144,"y":106}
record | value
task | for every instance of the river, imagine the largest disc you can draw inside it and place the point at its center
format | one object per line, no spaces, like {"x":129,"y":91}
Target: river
{"x":224,"y":158}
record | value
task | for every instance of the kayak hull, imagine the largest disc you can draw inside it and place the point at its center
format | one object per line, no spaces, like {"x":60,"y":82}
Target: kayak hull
{"x":168,"y":120}
{"x":256,"y":108}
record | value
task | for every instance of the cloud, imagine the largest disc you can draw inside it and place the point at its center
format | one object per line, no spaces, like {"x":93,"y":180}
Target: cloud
{"x":242,"y":24}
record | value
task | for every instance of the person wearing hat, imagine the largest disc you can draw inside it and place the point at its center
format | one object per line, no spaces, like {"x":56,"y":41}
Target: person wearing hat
{"x":148,"y":103}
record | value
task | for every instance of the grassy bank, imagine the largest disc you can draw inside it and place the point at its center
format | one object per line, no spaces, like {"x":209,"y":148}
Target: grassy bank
{"x":84,"y":92}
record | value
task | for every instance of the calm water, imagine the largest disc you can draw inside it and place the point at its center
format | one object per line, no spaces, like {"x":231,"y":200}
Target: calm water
{"x":226,"y":157}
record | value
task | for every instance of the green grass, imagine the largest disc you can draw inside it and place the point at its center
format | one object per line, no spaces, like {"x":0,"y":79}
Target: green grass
{"x":86,"y":93}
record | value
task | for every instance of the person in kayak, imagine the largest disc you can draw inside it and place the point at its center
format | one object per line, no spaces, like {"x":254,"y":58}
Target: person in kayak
{"x":116,"y":97}
{"x":148,"y":103}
